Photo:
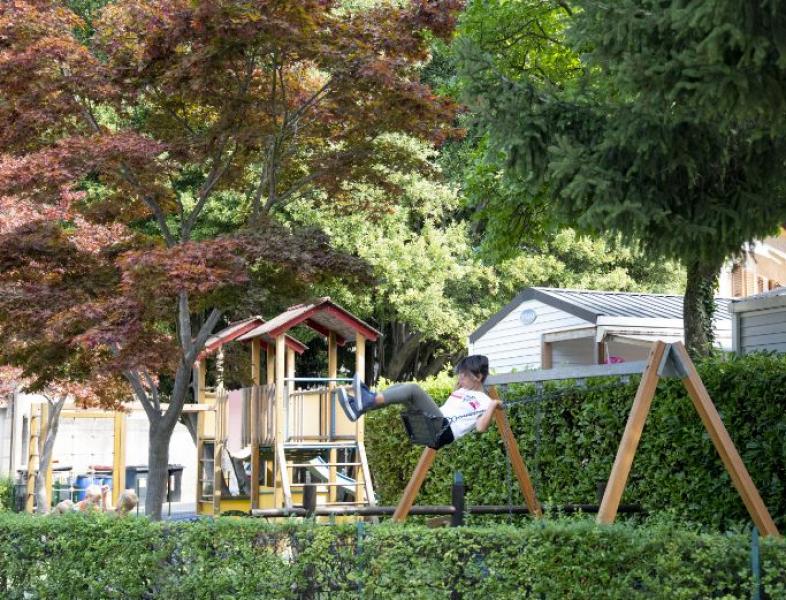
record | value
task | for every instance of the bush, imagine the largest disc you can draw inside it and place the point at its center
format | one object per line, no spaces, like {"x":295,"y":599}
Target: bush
{"x":6,"y":494}
{"x":78,"y":556}
{"x":569,"y":445}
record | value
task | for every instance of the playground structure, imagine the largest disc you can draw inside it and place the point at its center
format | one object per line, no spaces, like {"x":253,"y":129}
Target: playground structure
{"x":291,"y":435}
{"x":664,"y":360}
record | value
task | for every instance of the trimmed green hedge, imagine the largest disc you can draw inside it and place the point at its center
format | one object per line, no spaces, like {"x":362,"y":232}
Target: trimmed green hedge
{"x":6,"y":494}
{"x":79,"y":556}
{"x":569,"y":445}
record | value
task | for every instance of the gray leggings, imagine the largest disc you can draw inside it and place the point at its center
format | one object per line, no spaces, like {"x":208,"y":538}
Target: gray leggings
{"x":412,"y":396}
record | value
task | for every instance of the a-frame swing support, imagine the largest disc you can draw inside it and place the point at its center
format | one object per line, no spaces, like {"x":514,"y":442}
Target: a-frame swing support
{"x":668,"y":360}
{"x":517,"y":462}
{"x":665,"y":360}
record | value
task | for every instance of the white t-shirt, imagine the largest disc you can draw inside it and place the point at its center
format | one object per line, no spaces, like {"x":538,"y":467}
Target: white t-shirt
{"x":463,"y":403}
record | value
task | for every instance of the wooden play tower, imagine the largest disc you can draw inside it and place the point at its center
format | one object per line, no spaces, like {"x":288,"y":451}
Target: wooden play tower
{"x":293,"y":431}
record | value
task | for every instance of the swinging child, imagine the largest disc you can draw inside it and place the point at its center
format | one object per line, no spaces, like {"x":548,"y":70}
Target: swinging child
{"x":467,"y":409}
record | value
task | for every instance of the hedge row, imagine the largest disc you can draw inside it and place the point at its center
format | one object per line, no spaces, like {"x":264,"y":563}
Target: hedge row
{"x":97,"y":557}
{"x":569,"y":445}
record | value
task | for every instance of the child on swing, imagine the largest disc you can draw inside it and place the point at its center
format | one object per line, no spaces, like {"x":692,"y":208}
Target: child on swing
{"x":459,"y":413}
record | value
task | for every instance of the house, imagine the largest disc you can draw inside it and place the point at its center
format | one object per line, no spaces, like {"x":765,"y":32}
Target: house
{"x":550,"y":327}
{"x":759,"y":322}
{"x":761,"y":267}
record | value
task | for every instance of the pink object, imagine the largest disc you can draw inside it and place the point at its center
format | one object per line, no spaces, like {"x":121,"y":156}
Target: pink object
{"x":613,"y":360}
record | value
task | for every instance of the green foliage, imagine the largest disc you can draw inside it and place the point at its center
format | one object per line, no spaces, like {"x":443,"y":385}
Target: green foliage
{"x":6,"y":494}
{"x":569,"y":445}
{"x":97,"y":557}
{"x":632,"y":141}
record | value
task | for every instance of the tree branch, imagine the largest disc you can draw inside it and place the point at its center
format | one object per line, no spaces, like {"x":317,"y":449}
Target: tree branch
{"x":129,"y":176}
{"x":139,"y":389}
{"x":153,"y":389}
{"x":184,"y":323}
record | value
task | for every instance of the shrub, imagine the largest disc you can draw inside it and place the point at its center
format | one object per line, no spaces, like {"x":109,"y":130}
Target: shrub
{"x":6,"y":494}
{"x":569,"y":445}
{"x":79,"y":556}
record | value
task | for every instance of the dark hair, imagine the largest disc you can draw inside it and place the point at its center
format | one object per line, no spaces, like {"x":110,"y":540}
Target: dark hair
{"x":477,"y":364}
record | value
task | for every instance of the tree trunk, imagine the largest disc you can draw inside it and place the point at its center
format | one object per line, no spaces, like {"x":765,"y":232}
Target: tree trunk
{"x":403,"y":346}
{"x":699,"y":307}
{"x":45,"y":447}
{"x":158,"y":467}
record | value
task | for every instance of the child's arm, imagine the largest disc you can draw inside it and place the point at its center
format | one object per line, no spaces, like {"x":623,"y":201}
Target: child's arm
{"x":483,"y":422}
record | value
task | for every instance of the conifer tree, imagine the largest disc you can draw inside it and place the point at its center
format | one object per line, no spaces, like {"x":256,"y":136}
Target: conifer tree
{"x":671,"y":133}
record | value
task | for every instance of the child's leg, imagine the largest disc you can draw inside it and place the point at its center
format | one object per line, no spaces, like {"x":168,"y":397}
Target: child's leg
{"x":412,"y":396}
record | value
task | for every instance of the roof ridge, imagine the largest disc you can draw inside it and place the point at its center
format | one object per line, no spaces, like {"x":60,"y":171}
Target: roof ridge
{"x":619,"y":293}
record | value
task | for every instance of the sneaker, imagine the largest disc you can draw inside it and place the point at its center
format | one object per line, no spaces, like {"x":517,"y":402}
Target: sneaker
{"x":347,"y":404}
{"x":365,"y":398}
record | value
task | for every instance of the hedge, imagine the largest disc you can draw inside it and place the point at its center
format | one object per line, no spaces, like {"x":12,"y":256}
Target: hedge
{"x":569,"y":445}
{"x":6,"y":494}
{"x":79,"y":556}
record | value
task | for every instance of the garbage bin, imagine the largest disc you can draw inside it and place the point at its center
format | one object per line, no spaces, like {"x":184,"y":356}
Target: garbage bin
{"x":136,"y":479}
{"x":175,"y":483}
{"x":20,"y":497}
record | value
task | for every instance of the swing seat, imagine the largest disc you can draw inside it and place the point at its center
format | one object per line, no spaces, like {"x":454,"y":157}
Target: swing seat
{"x":423,"y":429}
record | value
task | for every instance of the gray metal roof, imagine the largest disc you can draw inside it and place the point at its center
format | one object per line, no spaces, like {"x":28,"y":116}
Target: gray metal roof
{"x":591,"y":304}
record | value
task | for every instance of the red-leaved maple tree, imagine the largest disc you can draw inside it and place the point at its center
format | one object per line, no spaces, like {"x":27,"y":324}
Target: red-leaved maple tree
{"x":118,"y":146}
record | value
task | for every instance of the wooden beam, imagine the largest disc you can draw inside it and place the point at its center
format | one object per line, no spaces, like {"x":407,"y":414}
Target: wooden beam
{"x":218,"y":449}
{"x":290,"y":363}
{"x":360,"y":370}
{"x":630,"y":438}
{"x":571,"y":334}
{"x":723,"y":444}
{"x":280,"y":425}
{"x":256,"y":398}
{"x":516,"y":461}
{"x":256,"y":361}
{"x":327,"y":414}
{"x":600,"y":353}
{"x":201,"y":373}
{"x":283,"y":474}
{"x":32,"y":456}
{"x":119,"y":457}
{"x":414,"y":485}
{"x":546,"y":355}
{"x":368,"y":484}
{"x":44,"y":431}
{"x":271,"y":365}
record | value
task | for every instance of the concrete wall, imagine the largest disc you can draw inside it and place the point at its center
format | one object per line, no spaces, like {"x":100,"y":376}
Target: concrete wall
{"x":82,"y":442}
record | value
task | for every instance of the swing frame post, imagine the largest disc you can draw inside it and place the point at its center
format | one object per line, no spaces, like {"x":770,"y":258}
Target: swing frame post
{"x":515,"y":458}
{"x":670,"y":360}
{"x":415,"y":482}
{"x":623,"y":462}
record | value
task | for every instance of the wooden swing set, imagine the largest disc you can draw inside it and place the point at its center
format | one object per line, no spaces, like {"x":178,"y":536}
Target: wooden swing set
{"x":665,"y":360}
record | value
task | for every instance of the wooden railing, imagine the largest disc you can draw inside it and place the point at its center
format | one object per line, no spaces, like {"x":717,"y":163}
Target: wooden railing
{"x":264,"y":396}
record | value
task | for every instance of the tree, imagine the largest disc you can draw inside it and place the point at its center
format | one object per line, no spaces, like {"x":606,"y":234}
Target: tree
{"x":172,"y":108}
{"x":433,"y":285}
{"x":47,"y":269}
{"x":666,"y":135}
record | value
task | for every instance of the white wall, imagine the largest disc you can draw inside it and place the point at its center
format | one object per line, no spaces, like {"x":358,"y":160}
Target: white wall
{"x":512,"y":345}
{"x":5,"y":441}
{"x":762,"y":330}
{"x":82,"y":442}
{"x":581,"y":351}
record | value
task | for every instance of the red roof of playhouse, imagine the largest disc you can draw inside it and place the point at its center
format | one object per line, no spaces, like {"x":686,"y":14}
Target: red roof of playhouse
{"x":323,"y":316}
{"x":237,"y":329}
